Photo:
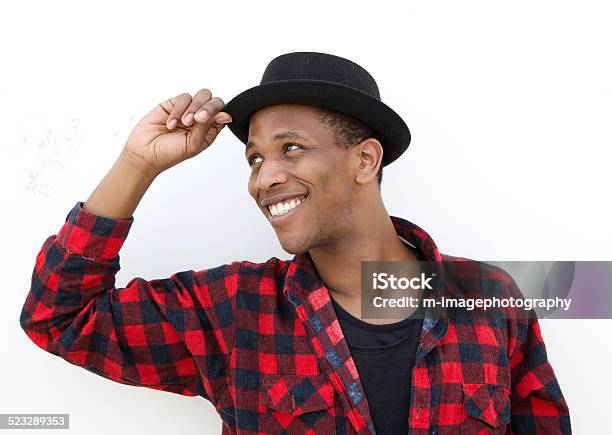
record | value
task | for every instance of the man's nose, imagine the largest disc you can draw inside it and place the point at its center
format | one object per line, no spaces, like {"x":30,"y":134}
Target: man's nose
{"x":271,"y":172}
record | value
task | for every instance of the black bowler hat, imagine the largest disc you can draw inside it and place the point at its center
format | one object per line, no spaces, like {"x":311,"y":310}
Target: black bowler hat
{"x":322,"y":80}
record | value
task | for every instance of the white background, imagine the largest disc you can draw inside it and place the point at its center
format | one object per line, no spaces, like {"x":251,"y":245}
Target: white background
{"x":508,"y":104}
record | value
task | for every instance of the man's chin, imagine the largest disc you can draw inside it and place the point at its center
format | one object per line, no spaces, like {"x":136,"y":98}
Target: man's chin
{"x":294,"y":250}
{"x":294,"y":246}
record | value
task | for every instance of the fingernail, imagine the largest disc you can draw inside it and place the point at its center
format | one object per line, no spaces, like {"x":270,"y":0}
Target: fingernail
{"x":201,"y":116}
{"x":187,"y":119}
{"x":171,"y":124}
{"x":224,"y":120}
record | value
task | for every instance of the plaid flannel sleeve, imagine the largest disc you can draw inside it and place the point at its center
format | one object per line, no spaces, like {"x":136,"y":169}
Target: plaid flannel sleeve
{"x":172,"y":334}
{"x":537,"y":403}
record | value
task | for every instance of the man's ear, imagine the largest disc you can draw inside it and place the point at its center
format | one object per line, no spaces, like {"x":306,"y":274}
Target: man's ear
{"x":368,"y":154}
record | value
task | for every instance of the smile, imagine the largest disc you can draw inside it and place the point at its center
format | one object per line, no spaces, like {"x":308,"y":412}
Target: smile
{"x":283,"y":207}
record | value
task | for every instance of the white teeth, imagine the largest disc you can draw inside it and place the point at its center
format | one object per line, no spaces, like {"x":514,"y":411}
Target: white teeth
{"x":284,"y":207}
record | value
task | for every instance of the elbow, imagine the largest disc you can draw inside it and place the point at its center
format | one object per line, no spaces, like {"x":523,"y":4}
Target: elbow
{"x":36,"y":329}
{"x":26,"y":319}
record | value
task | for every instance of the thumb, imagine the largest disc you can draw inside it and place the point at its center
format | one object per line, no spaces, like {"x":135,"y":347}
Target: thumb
{"x":202,"y":135}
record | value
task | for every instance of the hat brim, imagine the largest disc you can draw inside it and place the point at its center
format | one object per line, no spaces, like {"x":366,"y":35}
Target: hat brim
{"x":390,"y":127}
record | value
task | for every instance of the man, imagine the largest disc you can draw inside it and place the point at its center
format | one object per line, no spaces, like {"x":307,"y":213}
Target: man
{"x":281,"y":346}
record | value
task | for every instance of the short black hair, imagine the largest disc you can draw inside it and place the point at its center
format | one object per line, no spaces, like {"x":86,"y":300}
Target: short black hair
{"x":348,"y":131}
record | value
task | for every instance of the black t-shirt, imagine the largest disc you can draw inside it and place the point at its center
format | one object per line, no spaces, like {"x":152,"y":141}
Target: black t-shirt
{"x":384,"y":356}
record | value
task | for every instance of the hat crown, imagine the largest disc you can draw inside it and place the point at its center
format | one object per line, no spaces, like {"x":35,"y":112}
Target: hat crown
{"x":303,"y":65}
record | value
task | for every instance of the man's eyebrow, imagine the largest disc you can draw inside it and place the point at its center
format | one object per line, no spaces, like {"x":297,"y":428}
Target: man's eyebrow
{"x":287,"y":134}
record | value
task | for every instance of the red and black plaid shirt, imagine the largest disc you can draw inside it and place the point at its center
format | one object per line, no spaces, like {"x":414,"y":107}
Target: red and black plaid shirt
{"x":262,"y":342}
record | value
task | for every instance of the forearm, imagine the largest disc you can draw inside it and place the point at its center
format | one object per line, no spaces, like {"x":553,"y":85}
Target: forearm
{"x":121,"y":189}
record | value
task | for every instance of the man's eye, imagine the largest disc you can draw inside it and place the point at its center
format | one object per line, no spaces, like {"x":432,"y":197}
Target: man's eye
{"x":289,"y":145}
{"x":253,"y":160}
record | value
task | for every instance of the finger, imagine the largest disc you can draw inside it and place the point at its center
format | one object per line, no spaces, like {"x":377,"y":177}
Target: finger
{"x":200,"y":98}
{"x":209,"y":110}
{"x":223,"y":118}
{"x":179,"y":104}
{"x":204,"y":132}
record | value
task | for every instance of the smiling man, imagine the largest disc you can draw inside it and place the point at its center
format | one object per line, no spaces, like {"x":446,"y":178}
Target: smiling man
{"x":281,"y":346}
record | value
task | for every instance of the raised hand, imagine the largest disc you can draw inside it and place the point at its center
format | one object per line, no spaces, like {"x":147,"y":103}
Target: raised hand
{"x":176,"y":129}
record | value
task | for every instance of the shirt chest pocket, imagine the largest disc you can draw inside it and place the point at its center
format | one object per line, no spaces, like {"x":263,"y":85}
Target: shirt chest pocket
{"x":297,"y":404}
{"x":487,"y":409}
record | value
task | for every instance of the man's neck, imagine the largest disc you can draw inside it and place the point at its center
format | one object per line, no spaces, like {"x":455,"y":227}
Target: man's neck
{"x":339,"y":265}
